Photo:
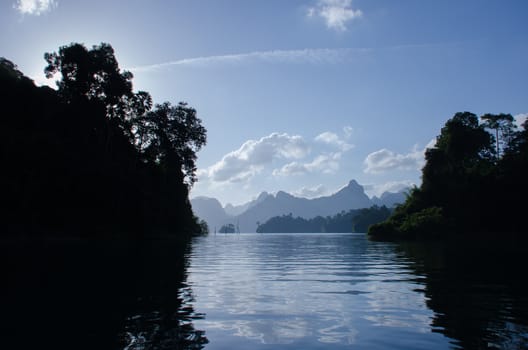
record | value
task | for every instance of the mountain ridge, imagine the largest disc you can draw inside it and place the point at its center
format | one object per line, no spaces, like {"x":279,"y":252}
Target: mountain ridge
{"x":266,"y":205}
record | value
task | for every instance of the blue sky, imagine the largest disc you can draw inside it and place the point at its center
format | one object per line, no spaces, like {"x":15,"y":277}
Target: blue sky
{"x":299,"y":95}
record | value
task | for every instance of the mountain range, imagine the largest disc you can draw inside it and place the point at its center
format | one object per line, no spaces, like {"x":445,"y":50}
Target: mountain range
{"x":266,"y":206}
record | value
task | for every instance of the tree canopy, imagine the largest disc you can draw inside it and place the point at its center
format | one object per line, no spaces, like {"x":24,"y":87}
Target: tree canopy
{"x":94,"y":156}
{"x":171,"y":132}
{"x":504,"y":130}
{"x":472,"y":182}
{"x":94,"y":73}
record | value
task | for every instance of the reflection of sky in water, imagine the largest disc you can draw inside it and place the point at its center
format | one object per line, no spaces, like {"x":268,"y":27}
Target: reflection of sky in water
{"x":306,"y":290}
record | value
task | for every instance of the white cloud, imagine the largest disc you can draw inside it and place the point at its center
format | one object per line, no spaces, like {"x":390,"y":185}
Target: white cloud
{"x":336,"y":13}
{"x":520,"y":119}
{"x":251,"y":158}
{"x":324,"y":163}
{"x":34,"y":7}
{"x":293,"y":168}
{"x":430,"y":144}
{"x":40,"y":80}
{"x":311,"y":192}
{"x":311,"y":56}
{"x":384,"y":160}
{"x":391,"y":186}
{"x":331,"y":138}
{"x":281,"y":152}
{"x":302,"y":56}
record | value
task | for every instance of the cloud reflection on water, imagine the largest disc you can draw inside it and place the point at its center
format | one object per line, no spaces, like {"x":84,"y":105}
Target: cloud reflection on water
{"x":303,"y":290}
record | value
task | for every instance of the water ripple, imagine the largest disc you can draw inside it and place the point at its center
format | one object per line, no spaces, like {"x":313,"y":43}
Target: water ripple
{"x":307,"y":290}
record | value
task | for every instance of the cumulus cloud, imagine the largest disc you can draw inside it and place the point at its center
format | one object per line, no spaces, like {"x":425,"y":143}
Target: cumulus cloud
{"x":251,"y":158}
{"x":331,"y":138}
{"x":335,"y":13}
{"x":311,"y":192}
{"x":34,"y":7}
{"x":384,"y":160}
{"x":283,"y":153}
{"x":324,"y":163}
{"x":293,"y":168}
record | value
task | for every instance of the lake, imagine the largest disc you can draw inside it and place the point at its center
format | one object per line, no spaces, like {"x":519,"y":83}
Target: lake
{"x":263,"y":291}
{"x":321,"y":291}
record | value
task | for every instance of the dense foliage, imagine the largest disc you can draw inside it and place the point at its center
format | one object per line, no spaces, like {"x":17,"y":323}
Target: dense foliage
{"x":473,"y":182}
{"x":94,"y":157}
{"x":357,"y":220}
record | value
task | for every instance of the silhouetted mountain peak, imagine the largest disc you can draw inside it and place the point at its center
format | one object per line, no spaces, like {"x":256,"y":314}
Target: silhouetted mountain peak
{"x":353,"y":186}
{"x":211,"y":200}
{"x":265,"y":206}
{"x":262,"y":196}
{"x":235,"y":210}
{"x":283,"y":195}
{"x":390,"y":199}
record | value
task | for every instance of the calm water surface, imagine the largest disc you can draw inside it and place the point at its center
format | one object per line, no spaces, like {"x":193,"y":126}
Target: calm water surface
{"x":262,"y":292}
{"x":343,"y":291}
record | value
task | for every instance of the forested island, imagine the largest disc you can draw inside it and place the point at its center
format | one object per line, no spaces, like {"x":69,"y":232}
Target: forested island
{"x":473,"y":183}
{"x":94,"y":158}
{"x":356,"y":220}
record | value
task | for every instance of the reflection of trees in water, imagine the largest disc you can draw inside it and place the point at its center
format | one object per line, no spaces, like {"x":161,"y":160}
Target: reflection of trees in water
{"x":162,"y":315}
{"x":476,"y":290}
{"x":76,"y":294}
{"x":165,"y":329}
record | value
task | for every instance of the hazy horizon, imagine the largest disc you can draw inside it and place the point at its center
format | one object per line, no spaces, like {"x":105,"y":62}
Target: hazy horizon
{"x":306,"y":195}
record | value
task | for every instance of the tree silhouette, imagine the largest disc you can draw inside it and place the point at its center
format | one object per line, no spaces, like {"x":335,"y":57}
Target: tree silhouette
{"x":172,"y":132}
{"x":468,"y":185}
{"x":93,"y":74}
{"x":504,"y":129}
{"x":93,"y":157}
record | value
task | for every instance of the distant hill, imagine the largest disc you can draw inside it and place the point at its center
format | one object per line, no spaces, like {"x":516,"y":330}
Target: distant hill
{"x":266,"y":206}
{"x":390,"y":199}
{"x":239,"y":209}
{"x":351,"y":196}
{"x":355,"y":220}
{"x":210,"y":210}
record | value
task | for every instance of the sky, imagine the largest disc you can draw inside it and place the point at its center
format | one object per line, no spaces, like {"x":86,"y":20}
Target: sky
{"x":298,"y":95}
